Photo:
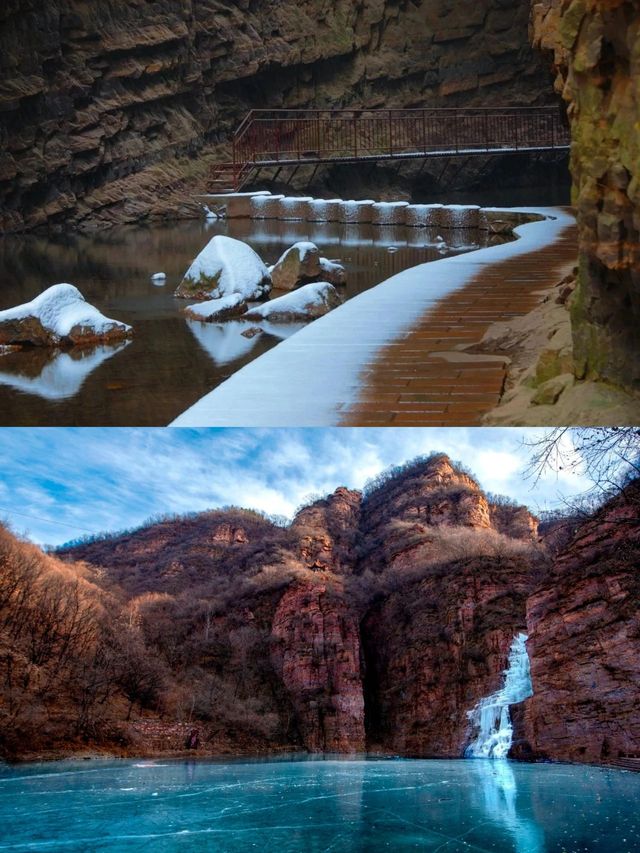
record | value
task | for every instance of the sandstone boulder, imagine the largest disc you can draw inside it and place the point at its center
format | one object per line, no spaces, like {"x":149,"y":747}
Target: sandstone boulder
{"x":59,"y":316}
{"x":302,"y":264}
{"x":299,"y":265}
{"x":333,"y":272}
{"x":304,"y":304}
{"x":223,"y":267}
{"x":218,"y":310}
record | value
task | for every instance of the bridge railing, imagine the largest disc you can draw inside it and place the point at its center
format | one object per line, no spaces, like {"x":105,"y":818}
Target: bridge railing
{"x":323,"y":135}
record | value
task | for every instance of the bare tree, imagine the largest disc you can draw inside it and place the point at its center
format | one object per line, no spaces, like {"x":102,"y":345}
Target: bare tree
{"x":608,"y":456}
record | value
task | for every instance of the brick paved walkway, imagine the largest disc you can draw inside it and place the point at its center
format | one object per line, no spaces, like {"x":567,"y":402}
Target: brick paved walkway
{"x":389,"y":357}
{"x":422,"y":379}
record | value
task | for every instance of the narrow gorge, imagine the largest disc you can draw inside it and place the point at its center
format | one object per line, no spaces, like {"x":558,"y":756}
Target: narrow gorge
{"x":383,"y":621}
{"x":115,"y":111}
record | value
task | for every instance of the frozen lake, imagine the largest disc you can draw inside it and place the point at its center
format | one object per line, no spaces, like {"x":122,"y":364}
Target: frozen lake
{"x":331,"y":805}
{"x":172,"y":362}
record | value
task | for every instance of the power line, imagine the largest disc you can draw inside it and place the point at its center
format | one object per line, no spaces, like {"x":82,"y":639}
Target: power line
{"x":46,"y":520}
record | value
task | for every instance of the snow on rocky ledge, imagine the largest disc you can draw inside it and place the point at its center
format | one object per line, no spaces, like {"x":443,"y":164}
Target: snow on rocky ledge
{"x":59,"y":316}
{"x":223,"y":267}
{"x":306,"y":303}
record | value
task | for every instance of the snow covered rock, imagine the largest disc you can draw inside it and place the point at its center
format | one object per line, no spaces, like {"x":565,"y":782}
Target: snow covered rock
{"x":299,"y":265}
{"x":302,"y":264}
{"x":59,"y":316}
{"x":306,"y":303}
{"x":218,"y":310}
{"x":333,"y":272}
{"x":225,"y":266}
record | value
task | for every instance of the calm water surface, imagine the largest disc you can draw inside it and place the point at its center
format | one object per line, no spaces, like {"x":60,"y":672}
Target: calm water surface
{"x":319,"y":805}
{"x":171,"y":362}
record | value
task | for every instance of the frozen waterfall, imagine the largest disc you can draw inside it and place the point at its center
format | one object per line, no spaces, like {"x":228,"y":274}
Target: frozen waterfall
{"x":490,"y":719}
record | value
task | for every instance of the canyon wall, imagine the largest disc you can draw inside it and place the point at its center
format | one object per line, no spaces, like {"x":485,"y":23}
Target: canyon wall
{"x":113,"y":111}
{"x":316,"y":652}
{"x":584,"y":643}
{"x":364,"y":624}
{"x":379,"y":620}
{"x":435,"y":649}
{"x":596,"y":46}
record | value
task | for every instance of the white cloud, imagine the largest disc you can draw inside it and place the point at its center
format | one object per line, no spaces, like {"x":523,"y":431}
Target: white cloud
{"x":105,"y":479}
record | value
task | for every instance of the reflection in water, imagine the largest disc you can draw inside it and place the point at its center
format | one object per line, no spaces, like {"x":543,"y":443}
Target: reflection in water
{"x":52,"y":374}
{"x":284,"y":805}
{"x":226,"y":343}
{"x":170,"y":364}
{"x":499,"y":799}
{"x":222,"y":341}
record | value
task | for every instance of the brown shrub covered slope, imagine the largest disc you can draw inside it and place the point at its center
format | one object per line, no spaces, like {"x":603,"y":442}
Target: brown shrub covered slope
{"x":371,"y":621}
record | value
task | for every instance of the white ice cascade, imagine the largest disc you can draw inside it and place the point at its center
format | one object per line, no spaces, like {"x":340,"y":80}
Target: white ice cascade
{"x":490,"y":719}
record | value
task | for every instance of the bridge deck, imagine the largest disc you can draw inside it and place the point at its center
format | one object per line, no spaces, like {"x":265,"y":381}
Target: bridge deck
{"x":406,"y":155}
{"x":389,"y":357}
{"x":295,"y":137}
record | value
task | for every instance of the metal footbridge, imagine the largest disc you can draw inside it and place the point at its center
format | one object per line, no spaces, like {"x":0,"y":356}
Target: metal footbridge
{"x":269,"y":139}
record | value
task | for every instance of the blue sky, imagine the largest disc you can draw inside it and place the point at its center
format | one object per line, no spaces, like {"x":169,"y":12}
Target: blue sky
{"x":58,"y":484}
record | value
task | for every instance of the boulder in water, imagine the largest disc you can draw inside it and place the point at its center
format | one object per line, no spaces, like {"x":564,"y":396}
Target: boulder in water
{"x":218,"y":310}
{"x":302,"y":264}
{"x":333,"y":272}
{"x":299,"y":265}
{"x":60,"y":316}
{"x":223,"y":267}
{"x":304,"y":304}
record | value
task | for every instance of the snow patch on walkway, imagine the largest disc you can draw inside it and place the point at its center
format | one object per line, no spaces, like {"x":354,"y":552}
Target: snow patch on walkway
{"x":313,"y":378}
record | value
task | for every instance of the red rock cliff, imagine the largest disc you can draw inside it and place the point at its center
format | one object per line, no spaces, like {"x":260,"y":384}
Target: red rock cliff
{"x":434,"y":649}
{"x":316,"y":650}
{"x":326,"y":531}
{"x":584,"y":643}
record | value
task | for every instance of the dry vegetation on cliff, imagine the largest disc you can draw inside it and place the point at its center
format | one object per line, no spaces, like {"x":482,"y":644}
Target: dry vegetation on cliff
{"x":368,"y":621}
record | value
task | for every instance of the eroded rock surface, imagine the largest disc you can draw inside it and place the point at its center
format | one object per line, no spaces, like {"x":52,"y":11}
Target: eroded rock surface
{"x":113,"y":111}
{"x":596,"y":47}
{"x":584,"y":643}
{"x":326,"y":531}
{"x":317,"y":652}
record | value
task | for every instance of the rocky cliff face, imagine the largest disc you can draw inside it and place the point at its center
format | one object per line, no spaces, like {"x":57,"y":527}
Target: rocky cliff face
{"x":326,"y":531}
{"x":597,"y":55}
{"x":584,"y":643}
{"x":435,"y":649}
{"x":316,"y":651}
{"x":432,"y":509}
{"x":379,"y":621}
{"x":113,"y":110}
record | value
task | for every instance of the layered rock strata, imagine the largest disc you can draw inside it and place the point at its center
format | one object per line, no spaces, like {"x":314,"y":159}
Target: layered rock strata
{"x":596,"y":46}
{"x":584,"y":643}
{"x":111,"y":111}
{"x":316,"y":651}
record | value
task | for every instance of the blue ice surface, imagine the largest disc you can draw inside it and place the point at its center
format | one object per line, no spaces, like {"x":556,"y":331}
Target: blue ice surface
{"x":320,"y":805}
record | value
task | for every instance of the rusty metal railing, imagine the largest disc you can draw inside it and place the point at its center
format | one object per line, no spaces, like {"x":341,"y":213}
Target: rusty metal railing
{"x":268,"y":137}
